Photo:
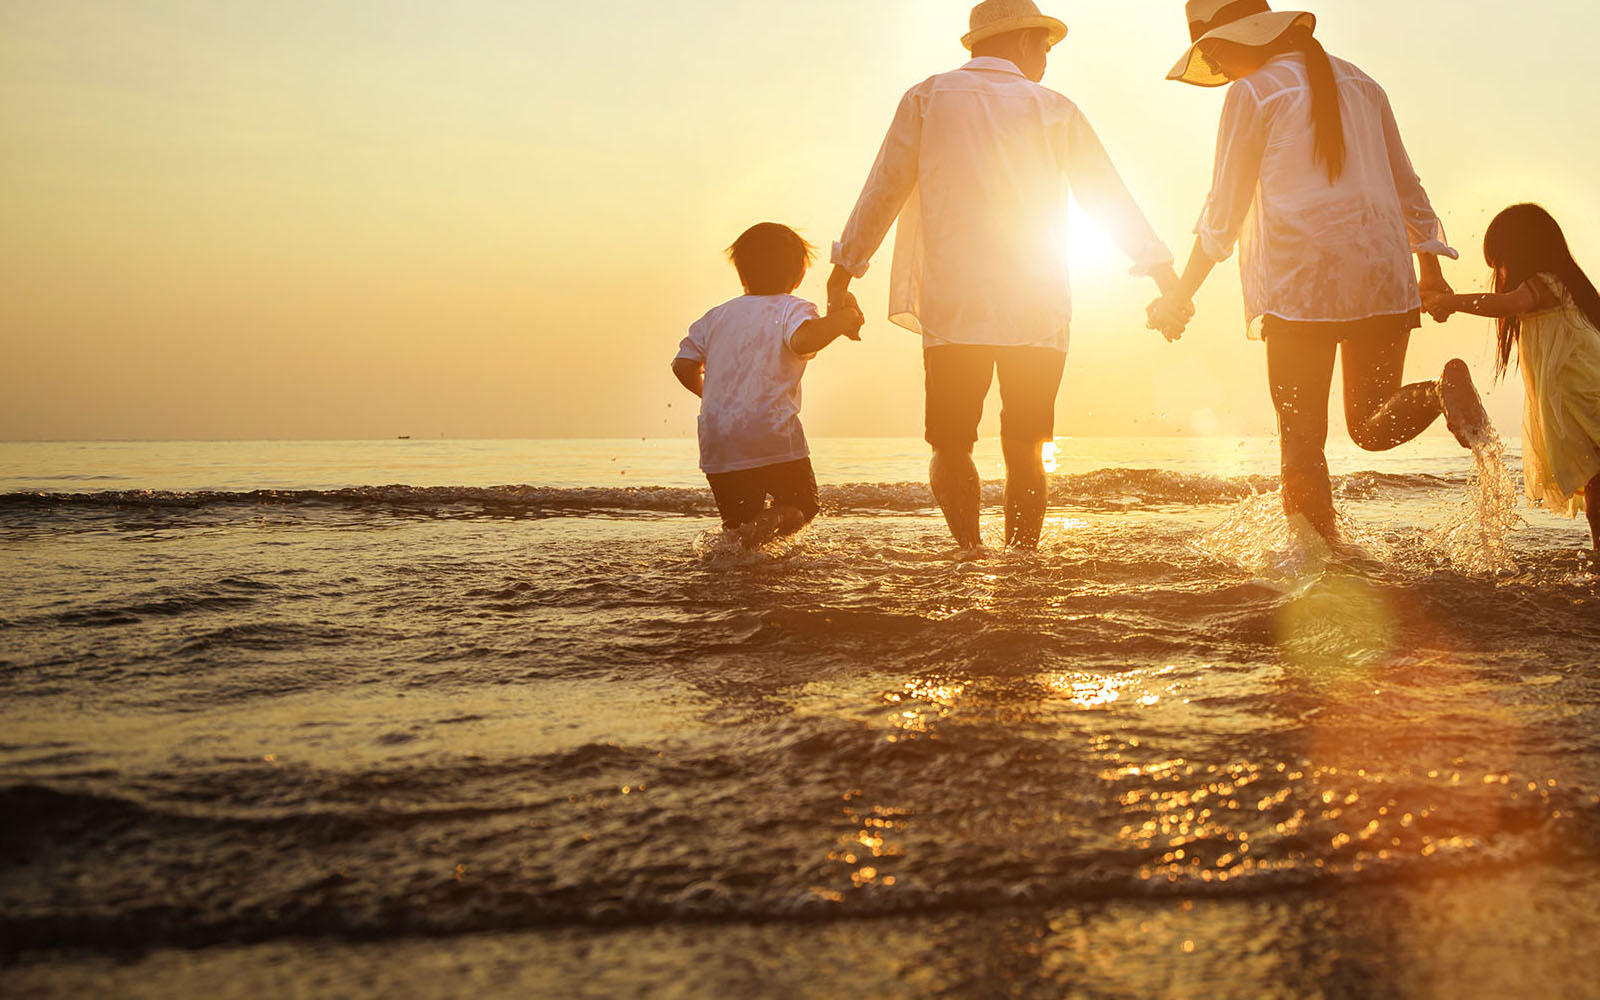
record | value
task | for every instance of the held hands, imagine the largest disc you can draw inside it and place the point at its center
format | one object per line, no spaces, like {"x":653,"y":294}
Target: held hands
{"x":1169,"y":314}
{"x":1438,"y":298}
{"x":844,"y":306}
{"x":1440,"y":305}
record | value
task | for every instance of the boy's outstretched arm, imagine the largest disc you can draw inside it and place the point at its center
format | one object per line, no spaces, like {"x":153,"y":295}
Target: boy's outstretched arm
{"x":844,"y":319}
{"x":691,"y":373}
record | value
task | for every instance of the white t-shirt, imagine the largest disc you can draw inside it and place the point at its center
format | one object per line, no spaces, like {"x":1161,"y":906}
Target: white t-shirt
{"x":750,"y":409}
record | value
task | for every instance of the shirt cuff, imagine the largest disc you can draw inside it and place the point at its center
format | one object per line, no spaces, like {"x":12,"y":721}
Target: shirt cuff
{"x":1150,"y":259}
{"x":840,"y":259}
{"x":1438,"y":248}
{"x":1211,"y":244}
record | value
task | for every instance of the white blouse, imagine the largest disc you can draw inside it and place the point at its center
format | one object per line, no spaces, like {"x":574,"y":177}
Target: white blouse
{"x":1312,"y":250}
{"x":976,"y":168}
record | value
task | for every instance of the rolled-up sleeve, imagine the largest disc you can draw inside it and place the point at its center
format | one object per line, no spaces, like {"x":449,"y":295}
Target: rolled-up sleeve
{"x":1423,"y":226}
{"x":1241,"y":141}
{"x":1098,"y":187}
{"x":890,"y":183}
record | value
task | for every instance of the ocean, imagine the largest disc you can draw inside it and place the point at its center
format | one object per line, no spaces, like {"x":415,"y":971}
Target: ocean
{"x":484,"y":718}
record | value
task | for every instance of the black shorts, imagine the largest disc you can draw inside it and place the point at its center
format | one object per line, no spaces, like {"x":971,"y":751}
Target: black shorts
{"x":1378,"y":327}
{"x":742,"y":496}
{"x":957,"y":378}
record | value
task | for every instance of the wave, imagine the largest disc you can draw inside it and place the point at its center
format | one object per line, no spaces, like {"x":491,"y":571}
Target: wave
{"x":341,"y":872}
{"x":1104,"y":489}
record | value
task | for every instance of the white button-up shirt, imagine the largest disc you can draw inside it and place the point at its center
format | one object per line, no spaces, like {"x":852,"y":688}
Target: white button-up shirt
{"x":976,"y":167}
{"x":1309,"y":249}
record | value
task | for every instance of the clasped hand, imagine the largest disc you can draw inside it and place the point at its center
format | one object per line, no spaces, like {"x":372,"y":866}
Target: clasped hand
{"x":1436,"y":294}
{"x":844,"y":303}
{"x":1169,"y":314}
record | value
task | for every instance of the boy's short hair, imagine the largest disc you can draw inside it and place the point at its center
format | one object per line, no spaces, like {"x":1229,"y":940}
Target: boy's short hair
{"x":771,"y":258}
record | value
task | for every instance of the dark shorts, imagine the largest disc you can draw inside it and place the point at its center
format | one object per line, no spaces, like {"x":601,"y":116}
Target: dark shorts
{"x":742,"y":496}
{"x":1378,"y":327}
{"x":957,"y":378}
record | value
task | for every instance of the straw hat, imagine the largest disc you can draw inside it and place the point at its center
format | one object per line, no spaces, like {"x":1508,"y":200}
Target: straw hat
{"x":996,"y":17}
{"x":1245,"y":22}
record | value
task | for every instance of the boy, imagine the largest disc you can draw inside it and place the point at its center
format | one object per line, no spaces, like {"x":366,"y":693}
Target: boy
{"x":744,"y":359}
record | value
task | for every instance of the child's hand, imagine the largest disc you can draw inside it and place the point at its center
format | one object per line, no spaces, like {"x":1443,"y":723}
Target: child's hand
{"x":849,"y":311}
{"x":854,"y":321}
{"x":1439,"y":305}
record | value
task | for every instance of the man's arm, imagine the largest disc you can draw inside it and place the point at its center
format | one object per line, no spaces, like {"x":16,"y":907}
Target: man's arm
{"x":1100,"y":189}
{"x":691,"y":373}
{"x":839,"y":287}
{"x":893,"y":176}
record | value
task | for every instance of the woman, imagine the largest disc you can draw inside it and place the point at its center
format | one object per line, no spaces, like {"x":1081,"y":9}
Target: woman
{"x":1312,"y":178}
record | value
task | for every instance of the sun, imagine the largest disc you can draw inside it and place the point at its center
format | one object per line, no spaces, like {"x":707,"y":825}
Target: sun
{"x":1089,"y":251}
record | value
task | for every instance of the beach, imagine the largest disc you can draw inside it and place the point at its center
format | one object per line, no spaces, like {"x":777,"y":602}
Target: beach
{"x":508,"y":718}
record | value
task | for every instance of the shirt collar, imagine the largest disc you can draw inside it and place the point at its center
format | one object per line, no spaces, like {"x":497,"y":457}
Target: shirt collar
{"x":994,"y":64}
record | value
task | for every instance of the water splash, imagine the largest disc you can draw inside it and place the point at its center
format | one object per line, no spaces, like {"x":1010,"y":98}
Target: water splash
{"x":1475,"y":539}
{"x":1257,"y":538}
{"x":724,"y":549}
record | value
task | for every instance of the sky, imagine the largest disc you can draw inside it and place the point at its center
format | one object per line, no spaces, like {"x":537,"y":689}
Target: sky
{"x":495,"y":218}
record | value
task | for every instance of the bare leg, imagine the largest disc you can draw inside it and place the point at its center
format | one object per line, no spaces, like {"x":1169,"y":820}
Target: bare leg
{"x":954,"y":478}
{"x":1379,"y":411}
{"x":1591,"y":509}
{"x":1300,"y":372}
{"x":774,"y":522}
{"x":1027,"y":492}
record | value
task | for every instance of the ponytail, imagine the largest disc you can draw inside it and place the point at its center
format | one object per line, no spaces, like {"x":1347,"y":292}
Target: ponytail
{"x":1325,"y":113}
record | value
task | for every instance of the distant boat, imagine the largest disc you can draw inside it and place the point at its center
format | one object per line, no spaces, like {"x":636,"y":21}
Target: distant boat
{"x":404,"y":437}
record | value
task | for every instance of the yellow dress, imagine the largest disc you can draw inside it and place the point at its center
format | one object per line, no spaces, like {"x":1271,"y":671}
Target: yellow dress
{"x":1558,"y":350}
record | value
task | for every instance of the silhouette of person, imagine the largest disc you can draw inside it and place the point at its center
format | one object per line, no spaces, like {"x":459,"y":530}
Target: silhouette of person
{"x":973,"y":169}
{"x":1313,"y":181}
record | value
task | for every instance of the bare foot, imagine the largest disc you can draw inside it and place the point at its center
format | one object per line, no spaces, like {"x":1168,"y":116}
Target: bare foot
{"x":1463,"y":411}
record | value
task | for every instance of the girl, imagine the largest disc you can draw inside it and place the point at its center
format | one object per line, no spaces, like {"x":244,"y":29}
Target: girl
{"x":1550,"y":312}
{"x":1313,"y":181}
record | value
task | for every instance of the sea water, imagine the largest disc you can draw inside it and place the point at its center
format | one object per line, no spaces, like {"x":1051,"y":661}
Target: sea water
{"x":302,"y":696}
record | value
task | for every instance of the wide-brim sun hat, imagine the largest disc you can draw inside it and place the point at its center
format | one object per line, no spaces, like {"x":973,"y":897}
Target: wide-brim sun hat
{"x":996,"y":17}
{"x":1245,"y":22}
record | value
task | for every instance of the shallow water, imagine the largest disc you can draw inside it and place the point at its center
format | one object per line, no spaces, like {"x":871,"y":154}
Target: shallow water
{"x":309,"y":704}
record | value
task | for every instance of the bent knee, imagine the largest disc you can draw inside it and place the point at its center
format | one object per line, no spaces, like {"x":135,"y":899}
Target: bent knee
{"x":1367,"y":441}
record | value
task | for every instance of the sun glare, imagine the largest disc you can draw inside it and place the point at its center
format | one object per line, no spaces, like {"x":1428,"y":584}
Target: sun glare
{"x":1089,"y":250}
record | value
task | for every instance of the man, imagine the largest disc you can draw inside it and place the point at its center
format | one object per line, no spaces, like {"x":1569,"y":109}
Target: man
{"x":976,"y":167}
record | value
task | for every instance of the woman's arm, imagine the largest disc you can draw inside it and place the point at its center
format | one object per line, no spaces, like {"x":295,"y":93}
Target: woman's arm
{"x":1423,"y":227}
{"x":1241,"y":143}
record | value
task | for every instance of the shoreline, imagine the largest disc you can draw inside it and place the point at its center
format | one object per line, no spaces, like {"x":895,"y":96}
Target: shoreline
{"x":1525,"y":931}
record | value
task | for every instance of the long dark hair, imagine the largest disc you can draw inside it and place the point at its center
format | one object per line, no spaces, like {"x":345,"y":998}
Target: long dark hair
{"x":1521,"y":242}
{"x":1326,"y":115}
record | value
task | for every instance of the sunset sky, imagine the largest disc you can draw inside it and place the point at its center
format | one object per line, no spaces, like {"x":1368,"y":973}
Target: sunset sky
{"x":495,"y":218}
